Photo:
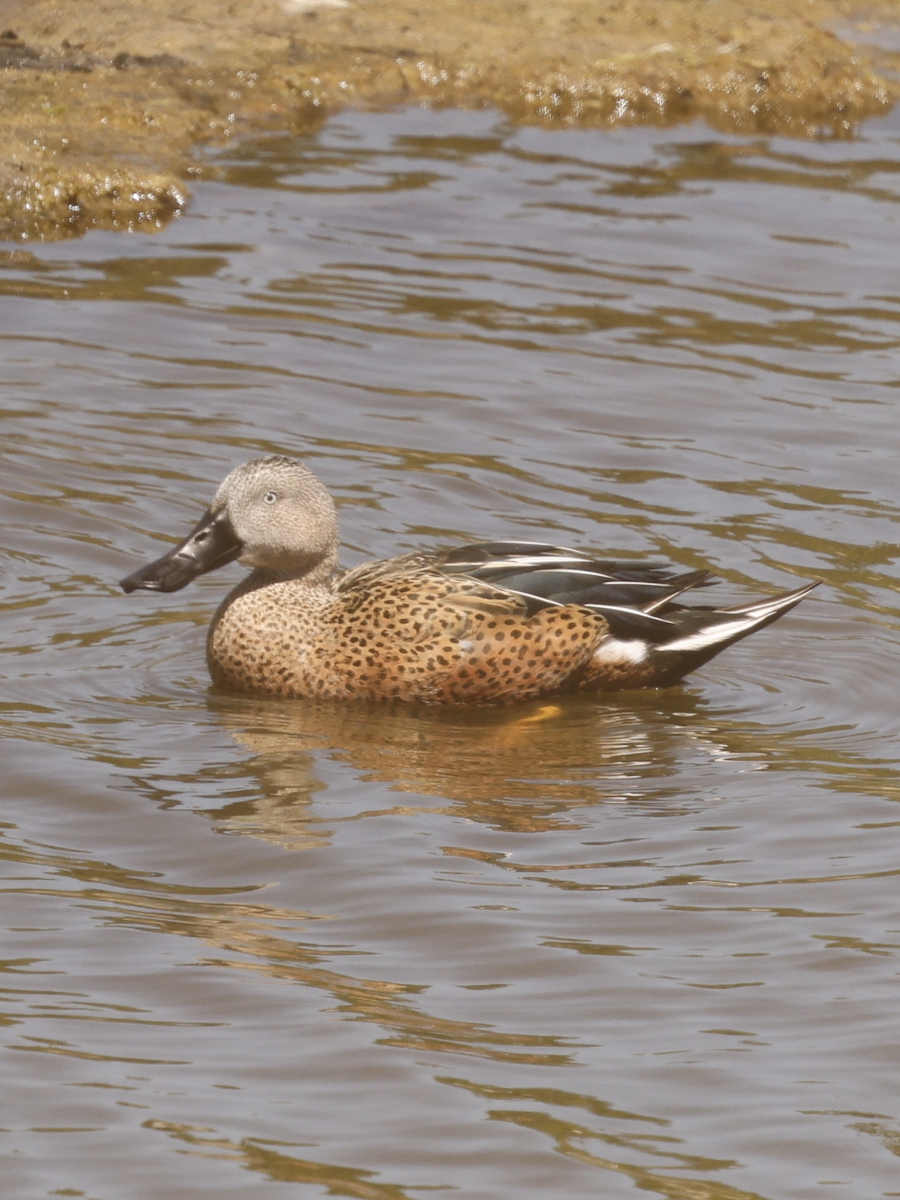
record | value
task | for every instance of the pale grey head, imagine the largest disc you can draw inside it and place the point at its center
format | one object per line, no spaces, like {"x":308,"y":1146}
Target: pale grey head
{"x":281,"y":514}
{"x":271,"y":514}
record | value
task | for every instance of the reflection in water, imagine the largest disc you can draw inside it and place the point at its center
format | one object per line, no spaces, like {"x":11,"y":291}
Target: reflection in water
{"x":245,"y":938}
{"x":642,"y":944}
{"x":242,"y":935}
{"x":280,"y":1166}
{"x":529,"y":770}
{"x":557,"y":757}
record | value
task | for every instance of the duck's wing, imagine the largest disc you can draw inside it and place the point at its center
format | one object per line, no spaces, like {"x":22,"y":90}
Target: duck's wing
{"x":646,"y":639}
{"x":545,"y":575}
{"x":653,"y":640}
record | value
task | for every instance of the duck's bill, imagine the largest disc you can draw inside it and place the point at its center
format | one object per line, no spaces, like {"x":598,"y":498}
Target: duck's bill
{"x":212,"y":543}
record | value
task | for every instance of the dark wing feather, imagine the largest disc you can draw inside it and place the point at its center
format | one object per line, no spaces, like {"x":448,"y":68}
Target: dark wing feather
{"x":544,"y":575}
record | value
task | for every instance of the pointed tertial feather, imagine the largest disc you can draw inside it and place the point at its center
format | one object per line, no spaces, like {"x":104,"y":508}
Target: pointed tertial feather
{"x":683,"y":583}
{"x":545,"y":575}
{"x":489,"y":558}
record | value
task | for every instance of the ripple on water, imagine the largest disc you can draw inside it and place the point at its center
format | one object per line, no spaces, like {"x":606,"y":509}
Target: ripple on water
{"x":644,"y":941}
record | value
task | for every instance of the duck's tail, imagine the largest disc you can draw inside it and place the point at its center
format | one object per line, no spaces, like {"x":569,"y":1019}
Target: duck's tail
{"x":658,"y":646}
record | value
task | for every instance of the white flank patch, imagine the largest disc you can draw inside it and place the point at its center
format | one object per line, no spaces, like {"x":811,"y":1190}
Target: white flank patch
{"x":615,"y":651}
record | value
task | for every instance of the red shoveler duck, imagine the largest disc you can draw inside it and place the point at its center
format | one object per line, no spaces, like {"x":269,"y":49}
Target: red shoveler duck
{"x":488,"y":623}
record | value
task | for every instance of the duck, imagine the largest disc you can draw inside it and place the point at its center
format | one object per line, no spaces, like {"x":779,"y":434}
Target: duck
{"x":487,"y":623}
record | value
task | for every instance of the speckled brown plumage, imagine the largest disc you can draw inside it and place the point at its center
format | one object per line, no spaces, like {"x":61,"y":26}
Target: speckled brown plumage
{"x":406,"y":637}
{"x":492,"y":623}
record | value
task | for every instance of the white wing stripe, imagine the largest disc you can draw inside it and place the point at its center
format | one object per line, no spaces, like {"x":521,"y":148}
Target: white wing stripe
{"x":713,"y":634}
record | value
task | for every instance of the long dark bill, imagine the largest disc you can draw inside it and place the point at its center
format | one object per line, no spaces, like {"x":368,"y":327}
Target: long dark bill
{"x":212,"y":543}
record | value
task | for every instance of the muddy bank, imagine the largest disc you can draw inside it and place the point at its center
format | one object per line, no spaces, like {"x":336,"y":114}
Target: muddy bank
{"x":102,"y":105}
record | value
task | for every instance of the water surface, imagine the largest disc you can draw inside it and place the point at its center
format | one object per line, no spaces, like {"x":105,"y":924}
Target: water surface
{"x":612,"y":946}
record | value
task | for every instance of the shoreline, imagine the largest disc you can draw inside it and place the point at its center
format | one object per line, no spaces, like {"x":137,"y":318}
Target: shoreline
{"x":102,"y":109}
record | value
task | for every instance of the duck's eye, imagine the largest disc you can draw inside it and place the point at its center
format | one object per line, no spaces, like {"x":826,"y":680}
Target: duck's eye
{"x":270,"y":497}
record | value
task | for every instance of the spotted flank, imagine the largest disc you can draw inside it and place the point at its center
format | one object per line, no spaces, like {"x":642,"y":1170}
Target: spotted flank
{"x":487,"y":623}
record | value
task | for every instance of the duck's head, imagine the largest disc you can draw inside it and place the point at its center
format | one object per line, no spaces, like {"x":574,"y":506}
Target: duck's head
{"x":271,"y":514}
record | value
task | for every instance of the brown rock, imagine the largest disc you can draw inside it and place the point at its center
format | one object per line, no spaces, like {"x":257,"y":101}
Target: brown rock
{"x":102,"y":104}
